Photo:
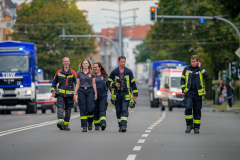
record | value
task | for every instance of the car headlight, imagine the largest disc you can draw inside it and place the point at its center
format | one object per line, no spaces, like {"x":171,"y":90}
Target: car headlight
{"x":159,"y":93}
{"x":29,"y":92}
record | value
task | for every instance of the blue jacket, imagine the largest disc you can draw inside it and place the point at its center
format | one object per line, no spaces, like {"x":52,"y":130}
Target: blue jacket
{"x":187,"y":78}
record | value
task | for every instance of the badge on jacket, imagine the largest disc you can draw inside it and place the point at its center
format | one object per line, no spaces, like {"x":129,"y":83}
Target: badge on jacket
{"x":102,"y":78}
{"x":89,"y":75}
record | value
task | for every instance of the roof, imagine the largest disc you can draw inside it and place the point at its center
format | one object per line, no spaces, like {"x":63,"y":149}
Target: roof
{"x":10,"y":4}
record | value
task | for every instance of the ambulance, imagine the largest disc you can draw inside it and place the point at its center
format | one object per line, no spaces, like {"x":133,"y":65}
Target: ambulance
{"x":170,"y":89}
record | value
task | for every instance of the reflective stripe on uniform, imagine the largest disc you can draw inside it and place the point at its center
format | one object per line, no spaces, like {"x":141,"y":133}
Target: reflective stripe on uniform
{"x":203,"y":71}
{"x":60,"y":120}
{"x":127,"y":97}
{"x":124,"y":118}
{"x":109,"y":79}
{"x":61,"y":91}
{"x":69,"y":92}
{"x":197,"y":121}
{"x":182,"y":86}
{"x":135,"y":91}
{"x":119,"y":120}
{"x":100,"y":119}
{"x":90,"y":116}
{"x":84,"y":117}
{"x":133,"y":80}
{"x":61,"y":75}
{"x":188,"y":116}
{"x":52,"y":89}
{"x":66,"y":123}
{"x":183,"y":76}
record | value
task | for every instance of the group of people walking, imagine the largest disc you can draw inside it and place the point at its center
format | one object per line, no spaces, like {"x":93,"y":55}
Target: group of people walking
{"x":91,"y":91}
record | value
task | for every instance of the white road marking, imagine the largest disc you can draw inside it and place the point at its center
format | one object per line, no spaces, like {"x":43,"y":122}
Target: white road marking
{"x":137,"y":148}
{"x":2,"y":133}
{"x":153,"y":125}
{"x":150,"y":127}
{"x":141,"y":141}
{"x":148,"y":131}
{"x":131,"y":157}
{"x":145,"y":135}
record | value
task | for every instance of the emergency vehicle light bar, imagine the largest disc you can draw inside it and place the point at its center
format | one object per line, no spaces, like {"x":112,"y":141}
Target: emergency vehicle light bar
{"x":11,"y":49}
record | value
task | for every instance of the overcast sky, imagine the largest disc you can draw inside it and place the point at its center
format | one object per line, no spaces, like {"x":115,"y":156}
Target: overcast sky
{"x":96,"y":16}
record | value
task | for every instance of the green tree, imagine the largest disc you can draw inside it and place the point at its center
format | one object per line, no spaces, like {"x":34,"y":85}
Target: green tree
{"x":41,"y":22}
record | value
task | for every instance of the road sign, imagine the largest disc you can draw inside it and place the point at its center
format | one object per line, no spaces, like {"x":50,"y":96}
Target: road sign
{"x":201,"y":20}
{"x":237,"y":52}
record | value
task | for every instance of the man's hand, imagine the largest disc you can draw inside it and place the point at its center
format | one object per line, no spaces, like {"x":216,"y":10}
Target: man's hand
{"x":135,"y":97}
{"x":53,"y":94}
{"x":199,"y":64}
{"x":75,"y":98}
{"x":118,"y":85}
{"x":95,"y":97}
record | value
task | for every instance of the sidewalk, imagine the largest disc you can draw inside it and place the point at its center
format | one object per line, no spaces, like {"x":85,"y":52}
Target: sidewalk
{"x":232,"y":110}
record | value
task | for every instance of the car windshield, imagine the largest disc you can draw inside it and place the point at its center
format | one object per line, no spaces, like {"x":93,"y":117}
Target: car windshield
{"x":44,"y":89}
{"x":176,"y":82}
{"x":14,"y":63}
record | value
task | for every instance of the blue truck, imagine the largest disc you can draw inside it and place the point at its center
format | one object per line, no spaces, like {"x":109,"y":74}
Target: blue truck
{"x":154,"y":79}
{"x":18,"y":77}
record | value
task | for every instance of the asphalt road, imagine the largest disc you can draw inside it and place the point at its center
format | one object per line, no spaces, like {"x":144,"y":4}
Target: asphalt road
{"x":151,"y":135}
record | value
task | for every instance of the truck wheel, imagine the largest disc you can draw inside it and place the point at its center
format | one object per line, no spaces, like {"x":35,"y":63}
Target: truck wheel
{"x":53,"y":108}
{"x":1,"y":111}
{"x":169,"y":106}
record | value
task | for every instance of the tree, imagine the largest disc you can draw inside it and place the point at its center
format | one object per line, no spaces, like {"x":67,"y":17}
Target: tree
{"x":41,"y":22}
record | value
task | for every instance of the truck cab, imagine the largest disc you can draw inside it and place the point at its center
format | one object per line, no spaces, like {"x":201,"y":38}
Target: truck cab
{"x":18,"y":68}
{"x":170,"y":89}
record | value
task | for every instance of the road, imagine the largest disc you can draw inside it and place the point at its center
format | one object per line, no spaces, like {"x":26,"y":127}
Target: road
{"x":151,"y":135}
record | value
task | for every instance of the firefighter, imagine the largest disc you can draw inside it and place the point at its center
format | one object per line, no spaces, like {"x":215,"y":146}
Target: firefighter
{"x":101,"y":102}
{"x":122,"y":82}
{"x":65,"y":78}
{"x":87,"y":94}
{"x":193,"y":89}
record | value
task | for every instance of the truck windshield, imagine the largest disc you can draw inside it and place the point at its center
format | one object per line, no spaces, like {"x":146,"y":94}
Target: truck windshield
{"x":176,"y":82}
{"x":44,"y":89}
{"x":14,"y":63}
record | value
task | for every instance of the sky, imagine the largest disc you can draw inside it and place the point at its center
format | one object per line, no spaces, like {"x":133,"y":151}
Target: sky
{"x":96,"y":16}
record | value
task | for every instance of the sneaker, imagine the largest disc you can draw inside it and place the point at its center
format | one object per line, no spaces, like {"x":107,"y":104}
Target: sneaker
{"x":103,"y":126}
{"x":124,"y":128}
{"x":97,"y":128}
{"x":89,"y":126}
{"x":196,"y":130}
{"x":60,"y":125}
{"x":188,"y":130}
{"x":84,"y":129}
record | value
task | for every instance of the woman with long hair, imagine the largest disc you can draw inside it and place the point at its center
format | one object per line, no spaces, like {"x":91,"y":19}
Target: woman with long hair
{"x":101,"y":102}
{"x":230,"y":95}
{"x":87,"y":94}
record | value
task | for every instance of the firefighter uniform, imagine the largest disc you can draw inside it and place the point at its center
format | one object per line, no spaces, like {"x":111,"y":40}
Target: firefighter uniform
{"x":193,"y":89}
{"x":101,"y":102}
{"x":121,"y":96}
{"x":86,"y":98}
{"x":66,"y":92}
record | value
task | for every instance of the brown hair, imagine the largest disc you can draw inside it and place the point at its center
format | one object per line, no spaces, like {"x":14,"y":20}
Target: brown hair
{"x":195,"y":57}
{"x":103,"y":71}
{"x":89,"y":67}
{"x":121,"y":57}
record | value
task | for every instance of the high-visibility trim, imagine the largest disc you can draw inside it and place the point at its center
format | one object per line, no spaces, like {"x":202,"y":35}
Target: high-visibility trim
{"x":60,"y":120}
{"x":203,"y":71}
{"x":186,"y":82}
{"x":109,"y":79}
{"x":61,"y":75}
{"x":127,"y":97}
{"x":183,"y":86}
{"x":186,"y":90}
{"x":135,"y":91}
{"x":84,"y":117}
{"x":69,"y":92}
{"x":183,"y":76}
{"x":196,"y":121}
{"x":119,"y":120}
{"x":52,"y":89}
{"x":188,"y":71}
{"x":124,"y":118}
{"x":96,"y":121}
{"x":188,"y":116}
{"x":66,"y":123}
{"x":90,"y":116}
{"x":70,"y":76}
{"x":133,"y":80}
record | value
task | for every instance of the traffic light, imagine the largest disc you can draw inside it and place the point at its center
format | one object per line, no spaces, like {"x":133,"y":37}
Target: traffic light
{"x":63,"y":32}
{"x":148,"y":61}
{"x":153,"y":11}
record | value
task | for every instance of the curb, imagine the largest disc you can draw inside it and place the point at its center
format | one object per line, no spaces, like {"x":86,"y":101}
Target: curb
{"x":232,"y":110}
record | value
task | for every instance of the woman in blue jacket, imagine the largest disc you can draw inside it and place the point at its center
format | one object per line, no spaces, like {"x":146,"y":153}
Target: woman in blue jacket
{"x":101,"y":102}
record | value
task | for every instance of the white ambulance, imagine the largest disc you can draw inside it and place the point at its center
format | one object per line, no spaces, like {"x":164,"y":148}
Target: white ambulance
{"x":170,"y":88}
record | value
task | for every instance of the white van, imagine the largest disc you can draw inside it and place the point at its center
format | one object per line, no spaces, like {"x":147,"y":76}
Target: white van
{"x":170,"y":89}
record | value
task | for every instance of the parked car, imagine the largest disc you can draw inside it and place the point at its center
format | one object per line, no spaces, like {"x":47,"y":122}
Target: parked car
{"x":45,"y":100}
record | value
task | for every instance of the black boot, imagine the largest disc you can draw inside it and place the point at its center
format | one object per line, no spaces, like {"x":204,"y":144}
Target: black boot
{"x":60,"y":125}
{"x":188,"y":130}
{"x":120,"y":129}
{"x":103,"y":126}
{"x":89,"y":126}
{"x":66,"y":128}
{"x":124,"y":128}
{"x":84,"y":129}
{"x":97,"y":128}
{"x":196,"y":130}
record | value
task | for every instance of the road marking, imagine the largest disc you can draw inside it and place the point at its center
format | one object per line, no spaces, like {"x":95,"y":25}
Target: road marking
{"x":145,"y":135}
{"x":150,"y":127}
{"x":137,"y":148}
{"x":153,"y":125}
{"x":131,"y":157}
{"x":141,"y":141}
{"x":148,"y":131}
{"x":3,"y":133}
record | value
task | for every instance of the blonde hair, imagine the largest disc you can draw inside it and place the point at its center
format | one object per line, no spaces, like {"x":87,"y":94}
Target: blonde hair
{"x":89,"y":67}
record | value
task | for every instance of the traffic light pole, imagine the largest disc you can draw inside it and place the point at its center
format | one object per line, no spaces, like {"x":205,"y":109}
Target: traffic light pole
{"x":91,"y":36}
{"x":204,"y":17}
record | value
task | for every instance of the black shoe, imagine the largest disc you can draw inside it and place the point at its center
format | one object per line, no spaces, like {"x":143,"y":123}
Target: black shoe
{"x":103,"y":126}
{"x":66,"y":128}
{"x":120,"y":129}
{"x":196,"y":130}
{"x":97,"y":128}
{"x":188,"y":130}
{"x":124,"y":128}
{"x":84,"y":129}
{"x":89,"y":126}
{"x":60,"y":125}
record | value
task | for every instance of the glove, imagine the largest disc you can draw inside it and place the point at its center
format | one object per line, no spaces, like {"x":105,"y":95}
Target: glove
{"x":132,"y":103}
